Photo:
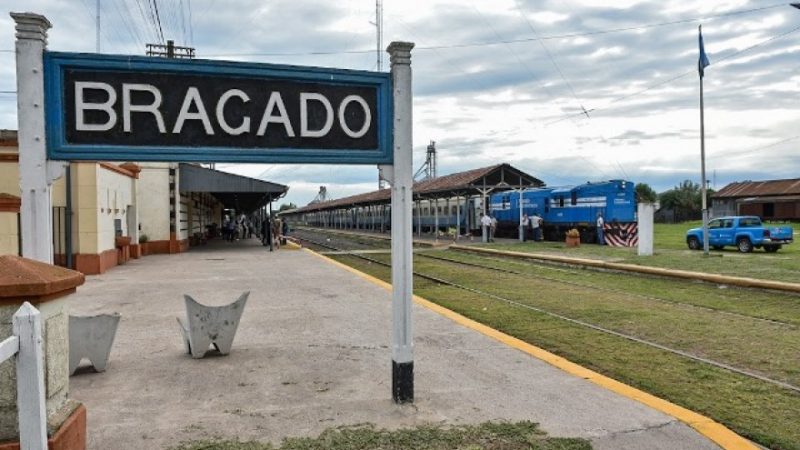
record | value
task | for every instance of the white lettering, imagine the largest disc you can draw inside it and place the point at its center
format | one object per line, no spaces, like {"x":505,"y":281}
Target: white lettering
{"x":274,"y":101}
{"x":81,"y":106}
{"x":192,"y":96}
{"x":367,"y":116}
{"x":152,"y":108}
{"x":245,"y":126}
{"x":304,"y":131}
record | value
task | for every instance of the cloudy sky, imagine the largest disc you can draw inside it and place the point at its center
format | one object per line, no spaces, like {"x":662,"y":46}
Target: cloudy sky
{"x":506,"y":80}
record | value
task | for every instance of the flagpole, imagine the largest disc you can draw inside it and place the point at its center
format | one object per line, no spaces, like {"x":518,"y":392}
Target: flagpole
{"x":703,"y":162}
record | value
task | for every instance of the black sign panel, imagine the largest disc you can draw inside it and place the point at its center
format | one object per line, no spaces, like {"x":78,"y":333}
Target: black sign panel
{"x":210,"y":111}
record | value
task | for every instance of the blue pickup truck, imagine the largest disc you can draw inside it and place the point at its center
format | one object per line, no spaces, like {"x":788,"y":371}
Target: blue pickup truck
{"x":744,"y":232}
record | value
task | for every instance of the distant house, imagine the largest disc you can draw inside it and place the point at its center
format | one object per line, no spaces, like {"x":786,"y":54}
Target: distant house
{"x":770,"y":200}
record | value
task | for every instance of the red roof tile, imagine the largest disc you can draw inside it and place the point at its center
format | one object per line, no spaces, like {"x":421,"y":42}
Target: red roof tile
{"x":759,"y":188}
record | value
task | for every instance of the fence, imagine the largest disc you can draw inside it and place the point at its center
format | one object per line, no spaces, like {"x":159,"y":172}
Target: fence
{"x":25,"y":345}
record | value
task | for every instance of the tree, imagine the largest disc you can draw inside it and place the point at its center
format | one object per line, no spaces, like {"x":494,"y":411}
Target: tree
{"x":287,"y":206}
{"x":685,"y":200}
{"x":645,"y":194}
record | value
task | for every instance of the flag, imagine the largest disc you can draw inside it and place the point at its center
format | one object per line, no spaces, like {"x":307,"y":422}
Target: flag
{"x":703,"y":62}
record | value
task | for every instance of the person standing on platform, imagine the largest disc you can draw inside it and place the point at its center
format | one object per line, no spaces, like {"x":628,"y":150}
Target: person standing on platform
{"x":536,"y":226}
{"x":486,"y":224}
{"x":493,"y":228}
{"x":600,"y":231}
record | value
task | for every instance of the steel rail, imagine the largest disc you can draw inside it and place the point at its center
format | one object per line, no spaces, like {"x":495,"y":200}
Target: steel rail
{"x":632,"y":338}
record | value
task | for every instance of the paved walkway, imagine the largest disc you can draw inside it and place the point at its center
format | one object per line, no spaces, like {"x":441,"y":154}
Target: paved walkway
{"x":312,"y":353}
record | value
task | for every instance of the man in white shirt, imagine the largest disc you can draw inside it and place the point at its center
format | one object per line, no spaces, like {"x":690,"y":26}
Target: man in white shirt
{"x":486,"y":223}
{"x":536,"y":223}
{"x":600,"y":231}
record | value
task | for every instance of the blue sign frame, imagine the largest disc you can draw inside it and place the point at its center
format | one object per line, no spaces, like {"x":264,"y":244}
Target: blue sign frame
{"x":59,"y":149}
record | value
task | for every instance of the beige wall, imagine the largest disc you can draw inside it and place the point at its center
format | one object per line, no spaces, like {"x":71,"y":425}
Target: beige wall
{"x":9,"y":178}
{"x":9,"y":240}
{"x":153,"y":193}
{"x":115,"y":194}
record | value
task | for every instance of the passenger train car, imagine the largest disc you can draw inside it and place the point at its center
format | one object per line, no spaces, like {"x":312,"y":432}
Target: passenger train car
{"x":566,"y":207}
{"x":562,"y":208}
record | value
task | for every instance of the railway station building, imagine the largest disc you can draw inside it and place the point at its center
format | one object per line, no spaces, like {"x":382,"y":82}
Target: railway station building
{"x":450,"y":203}
{"x":105,"y":214}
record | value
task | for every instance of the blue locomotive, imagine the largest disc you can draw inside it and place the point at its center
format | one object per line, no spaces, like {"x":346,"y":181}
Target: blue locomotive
{"x":566,"y":207}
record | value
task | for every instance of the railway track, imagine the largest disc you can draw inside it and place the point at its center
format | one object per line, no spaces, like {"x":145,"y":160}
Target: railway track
{"x":449,"y":283}
{"x":550,"y":267}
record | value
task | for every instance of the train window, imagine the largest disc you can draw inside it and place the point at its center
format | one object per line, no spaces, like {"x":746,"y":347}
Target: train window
{"x":574,"y":199}
{"x":560,"y":201}
{"x":425,"y":211}
{"x":453,"y":210}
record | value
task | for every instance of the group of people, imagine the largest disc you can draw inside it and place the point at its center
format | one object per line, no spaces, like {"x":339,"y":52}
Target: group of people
{"x":242,"y":227}
{"x":237,"y":228}
{"x":532,"y":227}
{"x":274,"y":231}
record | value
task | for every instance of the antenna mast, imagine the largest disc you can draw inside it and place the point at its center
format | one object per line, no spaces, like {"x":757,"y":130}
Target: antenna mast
{"x":379,"y":33}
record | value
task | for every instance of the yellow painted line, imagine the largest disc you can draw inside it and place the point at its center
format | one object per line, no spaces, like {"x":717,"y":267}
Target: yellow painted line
{"x":716,"y":432}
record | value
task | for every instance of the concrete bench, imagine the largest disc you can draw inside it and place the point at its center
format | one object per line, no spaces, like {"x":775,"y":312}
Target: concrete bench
{"x":207,"y":325}
{"x":91,"y":337}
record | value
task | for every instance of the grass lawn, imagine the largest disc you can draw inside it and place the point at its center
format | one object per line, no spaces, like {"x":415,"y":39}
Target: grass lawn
{"x":722,"y":324}
{"x":488,"y":436}
{"x":671,"y":252}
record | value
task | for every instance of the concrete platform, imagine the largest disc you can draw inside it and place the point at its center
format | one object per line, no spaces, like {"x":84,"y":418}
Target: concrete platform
{"x":311,"y":353}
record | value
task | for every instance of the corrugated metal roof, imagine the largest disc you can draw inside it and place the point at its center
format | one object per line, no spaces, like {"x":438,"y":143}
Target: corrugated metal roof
{"x":463,"y":183}
{"x":759,"y":188}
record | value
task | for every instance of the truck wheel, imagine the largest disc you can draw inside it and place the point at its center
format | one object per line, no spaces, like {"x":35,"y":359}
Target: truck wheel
{"x":744,"y":244}
{"x":771,"y":248}
{"x":694,"y":243}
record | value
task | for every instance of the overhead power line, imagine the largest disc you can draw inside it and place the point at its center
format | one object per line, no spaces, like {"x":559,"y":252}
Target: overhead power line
{"x":514,"y":41}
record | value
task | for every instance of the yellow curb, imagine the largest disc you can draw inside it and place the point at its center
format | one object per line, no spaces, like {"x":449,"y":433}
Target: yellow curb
{"x":649,"y":270}
{"x":716,"y":432}
{"x":290,"y":245}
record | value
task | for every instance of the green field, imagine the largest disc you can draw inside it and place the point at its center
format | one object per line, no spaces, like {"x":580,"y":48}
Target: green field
{"x":750,"y":330}
{"x":671,"y":252}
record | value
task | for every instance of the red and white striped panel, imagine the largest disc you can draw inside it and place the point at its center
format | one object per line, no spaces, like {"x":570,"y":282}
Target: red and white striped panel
{"x":621,"y":234}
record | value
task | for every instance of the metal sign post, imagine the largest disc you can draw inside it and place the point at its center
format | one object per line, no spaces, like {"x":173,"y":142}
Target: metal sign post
{"x":402,"y":253}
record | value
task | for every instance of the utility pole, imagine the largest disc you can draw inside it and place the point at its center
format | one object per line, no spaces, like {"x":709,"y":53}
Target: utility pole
{"x":97,"y":27}
{"x":379,"y":34}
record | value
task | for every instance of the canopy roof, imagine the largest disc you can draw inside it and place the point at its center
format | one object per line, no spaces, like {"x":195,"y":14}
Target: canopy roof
{"x":238,"y":192}
{"x":471,"y":182}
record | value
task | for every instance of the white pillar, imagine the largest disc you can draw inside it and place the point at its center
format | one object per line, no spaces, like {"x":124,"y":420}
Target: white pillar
{"x":36,"y":209}
{"x":645,"y":215}
{"x":402,"y":257}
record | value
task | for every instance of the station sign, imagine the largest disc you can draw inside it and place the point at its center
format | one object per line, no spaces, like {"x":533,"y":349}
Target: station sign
{"x":131,"y":108}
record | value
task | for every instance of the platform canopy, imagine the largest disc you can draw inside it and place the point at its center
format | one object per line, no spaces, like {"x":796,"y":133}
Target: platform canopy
{"x":238,"y":192}
{"x":499,"y":177}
